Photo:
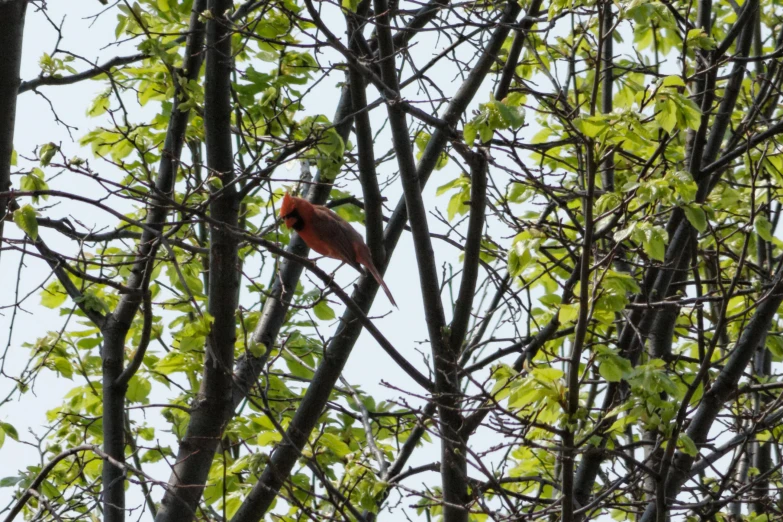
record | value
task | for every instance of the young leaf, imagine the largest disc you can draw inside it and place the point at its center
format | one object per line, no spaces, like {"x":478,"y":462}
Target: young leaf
{"x":610,"y":370}
{"x":26,"y":220}
{"x":654,"y":245}
{"x":666,"y":113}
{"x":686,"y":445}
{"x":763,"y":228}
{"x":323,"y":311}
{"x":697,"y":217}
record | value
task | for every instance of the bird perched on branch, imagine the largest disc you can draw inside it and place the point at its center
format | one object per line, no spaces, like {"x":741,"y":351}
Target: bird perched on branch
{"x":330,"y":235}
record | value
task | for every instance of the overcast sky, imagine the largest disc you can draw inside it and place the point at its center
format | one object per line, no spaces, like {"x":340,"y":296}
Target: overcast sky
{"x":87,"y":37}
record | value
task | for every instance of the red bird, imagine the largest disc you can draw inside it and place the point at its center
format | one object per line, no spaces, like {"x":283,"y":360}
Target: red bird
{"x":330,"y":235}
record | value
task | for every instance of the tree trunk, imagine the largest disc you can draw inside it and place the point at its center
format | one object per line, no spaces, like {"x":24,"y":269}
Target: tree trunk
{"x":11,"y":32}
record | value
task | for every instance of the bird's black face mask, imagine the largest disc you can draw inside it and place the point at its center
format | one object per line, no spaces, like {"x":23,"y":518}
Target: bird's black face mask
{"x":298,"y":224}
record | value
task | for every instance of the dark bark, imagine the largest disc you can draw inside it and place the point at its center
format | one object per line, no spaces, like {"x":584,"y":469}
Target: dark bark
{"x":662,"y":331}
{"x":11,"y":31}
{"x":103,"y":68}
{"x":113,"y":356}
{"x":214,"y":399}
{"x":731,"y":91}
{"x":762,"y":452}
{"x":463,"y":308}
{"x":373,"y":204}
{"x":607,"y":66}
{"x":512,"y":60}
{"x":580,"y":335}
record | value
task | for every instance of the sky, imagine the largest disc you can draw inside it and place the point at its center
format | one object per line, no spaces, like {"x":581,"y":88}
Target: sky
{"x":86,"y":35}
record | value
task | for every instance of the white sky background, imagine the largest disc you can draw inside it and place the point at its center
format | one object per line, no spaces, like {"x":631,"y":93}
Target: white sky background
{"x":368,"y":365}
{"x":35,"y":125}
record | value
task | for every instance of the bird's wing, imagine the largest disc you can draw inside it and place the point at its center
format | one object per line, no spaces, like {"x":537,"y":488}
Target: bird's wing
{"x":341,"y":237}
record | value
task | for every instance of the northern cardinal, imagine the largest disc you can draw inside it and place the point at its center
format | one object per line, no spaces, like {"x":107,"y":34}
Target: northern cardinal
{"x":330,"y":235}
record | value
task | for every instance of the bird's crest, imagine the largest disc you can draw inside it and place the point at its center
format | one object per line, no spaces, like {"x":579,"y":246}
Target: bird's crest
{"x":288,"y":205}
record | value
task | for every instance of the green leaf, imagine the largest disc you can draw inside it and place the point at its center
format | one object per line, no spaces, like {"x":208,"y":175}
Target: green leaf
{"x":10,"y":430}
{"x":335,"y":444}
{"x":233,"y":503}
{"x":698,"y":38}
{"x":688,"y":113}
{"x":568,"y":313}
{"x":267,"y":438}
{"x":450,"y":185}
{"x":163,"y":5}
{"x":46,"y":153}
{"x":298,"y":369}
{"x":92,"y":302}
{"x":610,"y":370}
{"x":172,"y":362}
{"x":524,"y":396}
{"x":34,"y":182}
{"x":763,"y":228}
{"x":547,"y":374}
{"x":138,"y":389}
{"x":9,"y":482}
{"x":469,"y":132}
{"x":350,"y":5}
{"x":684,"y":185}
{"x":257,"y":349}
{"x":622,"y":235}
{"x":323,"y":311}
{"x":192,"y":343}
{"x":63,"y":365}
{"x":456,"y":206}
{"x":99,"y":105}
{"x":666,"y":114}
{"x":513,"y":116}
{"x":53,"y":295}
{"x":2,"y":437}
{"x":26,"y":220}
{"x":654,"y":244}
{"x":620,"y":424}
{"x":215,"y":182}
{"x":90,"y":342}
{"x":686,"y":445}
{"x":697,"y":217}
{"x":48,"y":489}
{"x":673,"y":81}
{"x":592,"y":126}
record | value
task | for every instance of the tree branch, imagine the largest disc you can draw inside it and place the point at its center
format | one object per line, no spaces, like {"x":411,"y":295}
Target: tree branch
{"x":373,"y":203}
{"x":470,"y":266}
{"x":208,"y":418}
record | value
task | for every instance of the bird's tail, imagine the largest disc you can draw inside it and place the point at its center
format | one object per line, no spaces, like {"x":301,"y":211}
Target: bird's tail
{"x":374,"y":271}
